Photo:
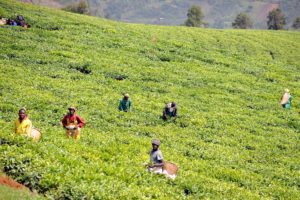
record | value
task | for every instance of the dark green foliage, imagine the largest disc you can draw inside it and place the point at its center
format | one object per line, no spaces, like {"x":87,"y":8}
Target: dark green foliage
{"x":231,"y":140}
{"x":195,"y":17}
{"x":296,"y":24}
{"x":116,"y":76}
{"x":18,"y":170}
{"x":83,"y":68}
{"x":276,"y":20}
{"x":242,"y":21}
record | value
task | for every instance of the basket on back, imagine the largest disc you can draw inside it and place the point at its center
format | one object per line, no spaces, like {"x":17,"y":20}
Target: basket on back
{"x":285,"y":98}
{"x":35,"y":134}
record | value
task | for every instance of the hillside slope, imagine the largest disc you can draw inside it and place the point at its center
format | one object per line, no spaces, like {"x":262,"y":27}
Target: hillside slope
{"x":219,"y":14}
{"x":232,"y":140}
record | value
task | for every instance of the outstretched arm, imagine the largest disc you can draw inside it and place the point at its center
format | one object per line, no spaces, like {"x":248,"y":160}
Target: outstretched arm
{"x":175,"y":112}
{"x":159,"y":164}
{"x":120,"y":105}
{"x":81,"y":122}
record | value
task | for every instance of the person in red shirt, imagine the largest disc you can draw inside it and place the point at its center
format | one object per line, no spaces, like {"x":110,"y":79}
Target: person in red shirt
{"x":73,"y":123}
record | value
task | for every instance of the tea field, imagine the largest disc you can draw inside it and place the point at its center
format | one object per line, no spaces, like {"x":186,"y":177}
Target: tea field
{"x":232,"y":140}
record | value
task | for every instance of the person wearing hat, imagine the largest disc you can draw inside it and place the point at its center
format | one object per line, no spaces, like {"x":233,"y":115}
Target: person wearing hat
{"x":23,"y":125}
{"x":72,"y":123}
{"x":286,"y":99}
{"x":125,"y":103}
{"x":156,"y":158}
{"x":169,"y":111}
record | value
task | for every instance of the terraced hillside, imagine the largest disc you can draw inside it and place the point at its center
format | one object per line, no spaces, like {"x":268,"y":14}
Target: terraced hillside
{"x":232,"y":140}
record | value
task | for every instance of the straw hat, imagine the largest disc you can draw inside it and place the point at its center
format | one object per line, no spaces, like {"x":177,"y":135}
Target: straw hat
{"x":72,"y":108}
{"x":286,"y":90}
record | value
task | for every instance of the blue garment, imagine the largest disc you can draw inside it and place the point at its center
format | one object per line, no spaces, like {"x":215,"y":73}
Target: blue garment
{"x":124,"y":105}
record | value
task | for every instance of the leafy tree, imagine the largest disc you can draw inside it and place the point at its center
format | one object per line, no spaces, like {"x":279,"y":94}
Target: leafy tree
{"x":276,"y":19}
{"x":242,"y":21}
{"x":195,"y":17}
{"x":81,"y":8}
{"x":296,"y":24}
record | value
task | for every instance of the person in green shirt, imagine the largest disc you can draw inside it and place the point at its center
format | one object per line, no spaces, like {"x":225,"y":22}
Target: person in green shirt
{"x":125,"y":103}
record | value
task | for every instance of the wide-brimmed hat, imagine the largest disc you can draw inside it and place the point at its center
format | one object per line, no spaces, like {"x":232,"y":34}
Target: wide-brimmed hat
{"x":286,"y":90}
{"x":72,"y":108}
{"x":156,"y":142}
{"x":126,"y":95}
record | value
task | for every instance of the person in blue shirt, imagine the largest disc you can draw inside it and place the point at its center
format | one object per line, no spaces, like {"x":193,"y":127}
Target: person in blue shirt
{"x":125,"y":103}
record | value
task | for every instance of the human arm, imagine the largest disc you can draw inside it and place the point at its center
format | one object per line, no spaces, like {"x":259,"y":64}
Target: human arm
{"x":120,"y":105}
{"x":157,"y":160}
{"x":165,"y":111}
{"x":159,"y":164}
{"x":28,"y":128}
{"x":64,"y":122}
{"x":129,"y":105}
{"x":81,"y":122}
{"x":175,"y":112}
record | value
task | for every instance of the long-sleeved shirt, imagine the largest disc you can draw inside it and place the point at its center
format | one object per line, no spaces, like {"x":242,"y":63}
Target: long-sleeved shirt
{"x":124,"y":105}
{"x":74,"y":120}
{"x":23,"y":127}
{"x":172,"y":112}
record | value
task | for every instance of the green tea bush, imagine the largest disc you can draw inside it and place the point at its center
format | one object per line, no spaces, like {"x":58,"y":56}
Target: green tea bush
{"x":231,"y":140}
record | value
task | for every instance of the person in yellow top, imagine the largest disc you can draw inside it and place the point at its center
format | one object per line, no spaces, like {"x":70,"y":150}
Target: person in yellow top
{"x":23,"y":125}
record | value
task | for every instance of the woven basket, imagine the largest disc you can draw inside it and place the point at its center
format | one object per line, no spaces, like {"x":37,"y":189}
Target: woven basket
{"x":170,"y":167}
{"x":36,"y":135}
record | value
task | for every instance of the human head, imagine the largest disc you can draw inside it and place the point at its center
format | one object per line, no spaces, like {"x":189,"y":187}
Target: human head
{"x":126,"y":96}
{"x":286,"y":90}
{"x":22,"y":113}
{"x":72,"y":110}
{"x":173,"y":104}
{"x":155,"y":144}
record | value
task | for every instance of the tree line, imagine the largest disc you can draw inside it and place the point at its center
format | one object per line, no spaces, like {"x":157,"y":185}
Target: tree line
{"x":195,"y":17}
{"x":276,"y":19}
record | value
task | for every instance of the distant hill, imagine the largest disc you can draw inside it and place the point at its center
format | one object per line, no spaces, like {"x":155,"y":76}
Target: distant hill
{"x":219,"y":13}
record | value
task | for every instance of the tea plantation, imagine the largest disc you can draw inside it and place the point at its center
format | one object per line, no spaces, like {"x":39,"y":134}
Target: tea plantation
{"x":232,"y":139}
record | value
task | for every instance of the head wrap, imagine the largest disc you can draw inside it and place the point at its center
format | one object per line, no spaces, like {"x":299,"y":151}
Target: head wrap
{"x":156,"y":142}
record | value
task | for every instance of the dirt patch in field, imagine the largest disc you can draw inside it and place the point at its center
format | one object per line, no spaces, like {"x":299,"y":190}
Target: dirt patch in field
{"x":4,"y":180}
